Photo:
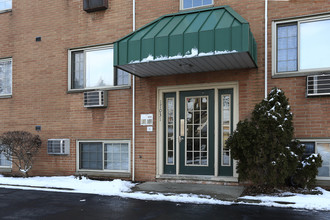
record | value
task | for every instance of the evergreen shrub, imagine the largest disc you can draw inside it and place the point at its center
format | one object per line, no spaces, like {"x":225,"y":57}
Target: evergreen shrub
{"x":264,"y":146}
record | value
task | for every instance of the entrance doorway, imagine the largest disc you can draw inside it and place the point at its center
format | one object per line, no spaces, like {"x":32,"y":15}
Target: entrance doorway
{"x":195,"y":127}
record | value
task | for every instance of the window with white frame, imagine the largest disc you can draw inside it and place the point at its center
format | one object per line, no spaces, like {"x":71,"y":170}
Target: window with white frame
{"x":4,"y":162}
{"x":321,"y":147}
{"x":301,"y":45}
{"x":188,"y":4}
{"x":5,"y":76}
{"x":104,"y":156}
{"x":93,"y":68}
{"x":5,"y":5}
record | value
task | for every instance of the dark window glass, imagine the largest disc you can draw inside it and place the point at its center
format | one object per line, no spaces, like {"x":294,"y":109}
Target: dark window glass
{"x":77,"y":70}
{"x":90,"y":156}
{"x":122,"y":77}
{"x":309,"y":148}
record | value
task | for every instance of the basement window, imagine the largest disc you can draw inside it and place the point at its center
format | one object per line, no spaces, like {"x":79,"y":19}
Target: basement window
{"x":108,"y":156}
{"x":4,"y":162}
{"x":321,"y":147}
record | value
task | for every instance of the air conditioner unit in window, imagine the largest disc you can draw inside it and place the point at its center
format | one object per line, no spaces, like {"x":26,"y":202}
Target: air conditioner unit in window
{"x":58,"y":146}
{"x":95,"y":99}
{"x":318,"y":85}
{"x":95,"y":5}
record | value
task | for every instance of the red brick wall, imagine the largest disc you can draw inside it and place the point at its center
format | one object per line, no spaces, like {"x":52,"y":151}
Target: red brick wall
{"x":251,"y":86}
{"x":40,"y":75}
{"x":311,"y":115}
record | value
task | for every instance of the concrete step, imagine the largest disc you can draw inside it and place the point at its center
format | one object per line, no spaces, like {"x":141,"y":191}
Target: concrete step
{"x":221,"y":192}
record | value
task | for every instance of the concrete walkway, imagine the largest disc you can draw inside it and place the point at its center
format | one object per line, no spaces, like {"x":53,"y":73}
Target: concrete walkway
{"x":221,"y":192}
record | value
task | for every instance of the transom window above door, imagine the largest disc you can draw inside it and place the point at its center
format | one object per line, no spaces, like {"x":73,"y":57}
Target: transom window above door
{"x":188,"y":4}
{"x":302,"y":46}
{"x":92,"y":68}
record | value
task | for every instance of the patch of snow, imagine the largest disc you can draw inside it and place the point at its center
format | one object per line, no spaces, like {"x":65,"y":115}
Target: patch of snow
{"x":224,"y":52}
{"x":108,"y":188}
{"x":273,"y":116}
{"x":305,"y":163}
{"x":161,"y":57}
{"x":293,"y":154}
{"x":206,"y":54}
{"x":134,"y":61}
{"x":299,"y":201}
{"x":123,"y":189}
{"x":149,"y":58}
{"x":217,"y":52}
{"x":178,"y":56}
{"x":190,"y":53}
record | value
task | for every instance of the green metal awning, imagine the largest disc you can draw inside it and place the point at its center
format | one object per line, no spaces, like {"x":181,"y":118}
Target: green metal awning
{"x":196,"y":41}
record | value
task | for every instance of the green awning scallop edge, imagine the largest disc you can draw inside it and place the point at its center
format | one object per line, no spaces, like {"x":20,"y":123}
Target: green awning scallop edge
{"x":202,"y":40}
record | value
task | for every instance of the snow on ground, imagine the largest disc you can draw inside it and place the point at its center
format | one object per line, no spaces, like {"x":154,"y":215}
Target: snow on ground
{"x":109,"y":188}
{"x":123,"y":189}
{"x":295,"y":200}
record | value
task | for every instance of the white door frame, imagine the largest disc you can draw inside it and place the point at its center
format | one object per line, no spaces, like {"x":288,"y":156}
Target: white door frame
{"x":160,"y":128}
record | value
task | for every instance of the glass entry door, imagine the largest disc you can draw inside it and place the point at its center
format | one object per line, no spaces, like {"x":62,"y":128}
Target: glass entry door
{"x":196,"y":135}
{"x":189,"y":132}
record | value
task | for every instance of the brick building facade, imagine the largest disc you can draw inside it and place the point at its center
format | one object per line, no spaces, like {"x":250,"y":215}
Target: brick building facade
{"x":52,"y":55}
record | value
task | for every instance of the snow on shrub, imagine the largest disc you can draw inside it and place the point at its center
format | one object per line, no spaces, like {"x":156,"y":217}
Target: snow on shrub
{"x":265,"y":149}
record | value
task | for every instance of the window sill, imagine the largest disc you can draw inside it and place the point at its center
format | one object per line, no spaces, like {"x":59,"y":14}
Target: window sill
{"x":96,"y":89}
{"x":103,"y":173}
{"x":5,"y":11}
{"x":5,"y":96}
{"x":5,"y":169}
{"x":297,"y":74}
{"x":322,"y":178}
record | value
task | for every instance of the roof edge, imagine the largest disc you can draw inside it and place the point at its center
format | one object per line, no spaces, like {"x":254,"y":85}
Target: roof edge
{"x":227,"y":7}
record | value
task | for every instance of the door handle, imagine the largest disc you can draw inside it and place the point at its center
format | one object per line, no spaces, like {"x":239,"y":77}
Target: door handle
{"x":182,"y":128}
